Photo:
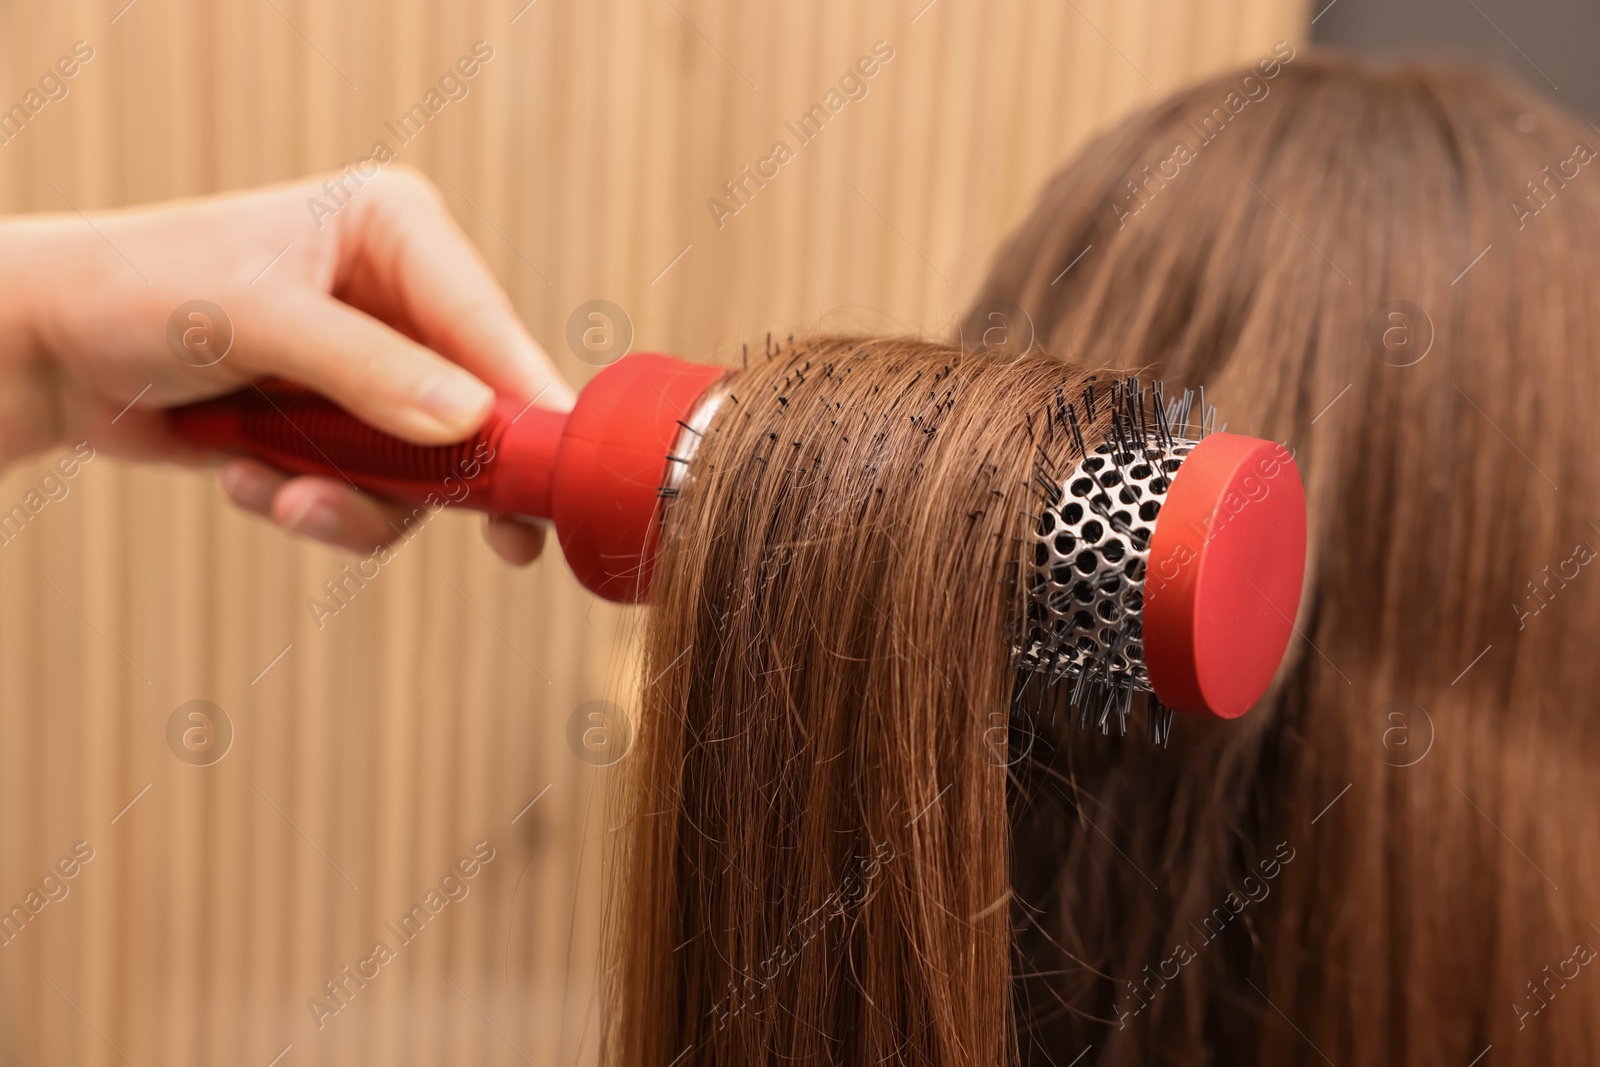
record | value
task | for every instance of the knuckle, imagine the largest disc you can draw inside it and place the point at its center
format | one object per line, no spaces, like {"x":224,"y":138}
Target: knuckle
{"x":411,"y":184}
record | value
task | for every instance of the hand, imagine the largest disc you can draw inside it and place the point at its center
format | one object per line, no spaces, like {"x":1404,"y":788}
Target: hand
{"x":383,"y":306}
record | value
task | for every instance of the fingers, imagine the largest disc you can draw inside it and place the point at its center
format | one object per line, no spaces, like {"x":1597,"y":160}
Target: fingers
{"x":408,"y":254}
{"x":415,"y":338}
{"x":318,"y":508}
{"x":366,"y":367}
{"x":516,"y":542}
{"x":252,"y":485}
{"x":333,"y":513}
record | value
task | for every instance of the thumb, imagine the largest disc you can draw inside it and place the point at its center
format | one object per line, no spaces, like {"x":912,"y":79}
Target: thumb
{"x":369,"y":369}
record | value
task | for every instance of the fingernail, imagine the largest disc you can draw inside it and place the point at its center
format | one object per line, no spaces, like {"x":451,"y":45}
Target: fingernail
{"x":555,"y":393}
{"x":248,"y":488}
{"x":314,"y":519}
{"x":454,"y":396}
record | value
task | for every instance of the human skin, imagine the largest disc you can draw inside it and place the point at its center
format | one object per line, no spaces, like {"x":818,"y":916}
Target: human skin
{"x":386,"y":308}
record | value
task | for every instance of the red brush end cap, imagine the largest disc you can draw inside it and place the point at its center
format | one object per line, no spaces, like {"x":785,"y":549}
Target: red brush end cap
{"x":605,"y":493}
{"x":1223,"y":579}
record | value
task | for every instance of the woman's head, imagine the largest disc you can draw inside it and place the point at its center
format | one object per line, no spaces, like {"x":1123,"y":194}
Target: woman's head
{"x":1393,"y":271}
{"x":1375,"y":865}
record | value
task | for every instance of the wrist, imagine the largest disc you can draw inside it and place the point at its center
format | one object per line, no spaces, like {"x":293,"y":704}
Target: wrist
{"x":31,"y":250}
{"x":29,"y":293}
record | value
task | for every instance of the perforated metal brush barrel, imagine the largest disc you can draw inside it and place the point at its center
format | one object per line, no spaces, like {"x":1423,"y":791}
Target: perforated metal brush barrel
{"x":1090,"y":555}
{"x":1162,"y":563}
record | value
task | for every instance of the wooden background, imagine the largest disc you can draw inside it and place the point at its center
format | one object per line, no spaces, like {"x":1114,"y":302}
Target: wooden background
{"x":427,"y":715}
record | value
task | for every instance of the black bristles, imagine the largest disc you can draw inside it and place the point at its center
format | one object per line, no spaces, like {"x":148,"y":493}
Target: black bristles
{"x":1139,"y":410}
{"x":1158,"y":721}
{"x":1078,"y":689}
{"x":1077,"y":433}
{"x":1133,"y":426}
{"x":1047,"y":483}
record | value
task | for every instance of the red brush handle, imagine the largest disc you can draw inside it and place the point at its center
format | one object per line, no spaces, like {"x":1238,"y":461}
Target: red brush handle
{"x":595,"y":472}
{"x":503,"y":468}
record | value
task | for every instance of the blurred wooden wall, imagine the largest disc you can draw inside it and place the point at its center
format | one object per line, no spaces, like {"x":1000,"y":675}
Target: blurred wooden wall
{"x":427,"y":715}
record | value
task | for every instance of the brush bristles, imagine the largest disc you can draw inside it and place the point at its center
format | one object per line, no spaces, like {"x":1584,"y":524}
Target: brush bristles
{"x":1084,"y":564}
{"x":1091,"y":546}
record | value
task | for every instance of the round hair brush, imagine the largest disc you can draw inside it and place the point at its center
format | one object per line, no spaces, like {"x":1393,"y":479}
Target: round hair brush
{"x":1161,"y":562}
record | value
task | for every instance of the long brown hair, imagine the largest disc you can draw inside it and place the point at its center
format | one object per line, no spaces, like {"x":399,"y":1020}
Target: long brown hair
{"x":1392,"y":860}
{"x":819,"y":858}
{"x":1385,"y":862}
